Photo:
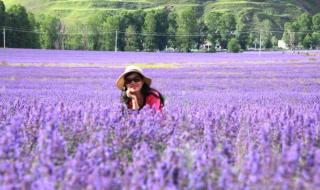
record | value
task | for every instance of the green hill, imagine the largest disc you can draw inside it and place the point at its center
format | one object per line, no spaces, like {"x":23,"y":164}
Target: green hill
{"x":73,"y":11}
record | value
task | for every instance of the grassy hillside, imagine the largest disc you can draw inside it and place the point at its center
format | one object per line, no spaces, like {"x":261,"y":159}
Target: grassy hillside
{"x":73,"y":11}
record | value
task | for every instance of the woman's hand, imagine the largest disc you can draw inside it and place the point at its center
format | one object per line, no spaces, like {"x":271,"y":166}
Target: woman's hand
{"x":135,"y":104}
{"x":131,"y":95}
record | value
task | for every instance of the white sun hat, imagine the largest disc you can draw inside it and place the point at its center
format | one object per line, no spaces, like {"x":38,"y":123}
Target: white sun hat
{"x":131,"y":69}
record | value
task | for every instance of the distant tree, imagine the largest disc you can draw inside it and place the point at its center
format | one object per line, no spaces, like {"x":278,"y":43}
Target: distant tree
{"x":172,"y":29}
{"x":136,"y":20}
{"x":2,"y":13}
{"x":150,"y":29}
{"x":61,"y":41}
{"x":315,"y":39}
{"x":73,"y":41}
{"x":304,"y":22}
{"x":131,"y":39}
{"x":316,"y":22}
{"x":187,"y":27}
{"x":203,"y":32}
{"x":162,"y":28}
{"x":251,"y":40}
{"x":123,"y":27}
{"x":17,"y":17}
{"x":268,"y":43}
{"x":274,"y":41}
{"x":290,"y":35}
{"x":266,"y":27}
{"x":233,"y":45}
{"x":316,"y":30}
{"x":307,"y":42}
{"x":242,"y":29}
{"x":84,"y":36}
{"x":110,"y":27}
{"x":34,"y":37}
{"x":226,"y":28}
{"x":49,"y":28}
{"x":138,"y":17}
{"x":2,"y":20}
{"x":212,"y":20}
{"x":96,"y":29}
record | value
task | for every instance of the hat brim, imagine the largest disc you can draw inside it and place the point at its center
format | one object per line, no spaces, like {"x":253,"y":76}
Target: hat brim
{"x":121,"y":83}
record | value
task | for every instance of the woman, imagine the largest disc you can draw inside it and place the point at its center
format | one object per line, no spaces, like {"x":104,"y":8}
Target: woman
{"x":136,"y":90}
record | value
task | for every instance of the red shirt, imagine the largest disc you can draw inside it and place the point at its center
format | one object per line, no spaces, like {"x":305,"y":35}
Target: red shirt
{"x":152,"y":99}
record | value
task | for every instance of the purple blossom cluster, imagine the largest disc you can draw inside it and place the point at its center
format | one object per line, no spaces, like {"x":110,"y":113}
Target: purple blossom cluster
{"x":224,"y":126}
{"x":99,"y":58}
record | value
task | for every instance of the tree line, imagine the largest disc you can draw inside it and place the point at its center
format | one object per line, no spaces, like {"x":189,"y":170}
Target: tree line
{"x":157,"y":30}
{"x":303,"y":32}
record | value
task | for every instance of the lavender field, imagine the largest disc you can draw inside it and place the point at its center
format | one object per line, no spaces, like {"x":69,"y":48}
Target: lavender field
{"x":231,"y":121}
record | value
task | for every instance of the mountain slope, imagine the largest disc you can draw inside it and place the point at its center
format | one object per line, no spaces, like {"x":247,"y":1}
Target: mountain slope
{"x":73,"y":11}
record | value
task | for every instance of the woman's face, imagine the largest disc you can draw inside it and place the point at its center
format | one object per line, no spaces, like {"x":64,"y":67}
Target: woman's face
{"x":133,"y":82}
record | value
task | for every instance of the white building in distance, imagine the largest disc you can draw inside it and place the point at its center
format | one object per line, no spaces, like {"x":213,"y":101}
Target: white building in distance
{"x":282,"y":44}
